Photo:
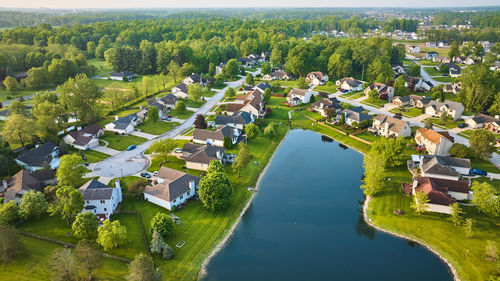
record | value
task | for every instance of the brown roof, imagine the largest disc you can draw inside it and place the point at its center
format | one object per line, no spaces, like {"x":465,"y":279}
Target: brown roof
{"x":219,"y":134}
{"x":437,"y":189}
{"x":253,"y":98}
{"x":433,"y":136}
{"x":25,"y":181}
{"x":170,"y":174}
{"x":395,"y":125}
{"x":206,"y":154}
{"x":83,"y":136}
{"x":174,"y":185}
{"x":298,"y":92}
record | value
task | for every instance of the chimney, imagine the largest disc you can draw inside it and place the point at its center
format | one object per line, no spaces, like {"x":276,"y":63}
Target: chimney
{"x":5,"y":185}
{"x":117,"y":184}
{"x":78,"y":128}
{"x":116,"y":117}
{"x":218,"y":154}
{"x":192,"y":187}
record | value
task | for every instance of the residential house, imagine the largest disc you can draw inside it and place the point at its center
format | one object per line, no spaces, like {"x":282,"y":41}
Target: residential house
{"x":431,"y":44}
{"x":238,"y":120}
{"x":168,"y":101}
{"x":262,"y":86}
{"x":452,"y":108}
{"x":401,"y":101}
{"x":454,"y":70}
{"x":452,"y":88}
{"x":251,"y":103}
{"x":257,"y":57}
{"x":436,"y":143}
{"x":355,"y":114}
{"x":480,"y":121}
{"x":350,"y":84}
{"x":85,"y":138}
{"x":20,"y":76}
{"x":441,"y":192}
{"x":486,"y":45}
{"x":414,"y":49}
{"x":398,"y":70}
{"x":247,"y":62}
{"x":199,"y":156}
{"x":443,"y":167}
{"x":100,"y":199}
{"x":172,"y":189}
{"x":493,"y":126}
{"x":14,"y":188}
{"x":442,"y":44}
{"x":325,"y":104}
{"x":219,"y":68}
{"x":4,"y":114}
{"x":427,"y":85}
{"x":194,"y":78}
{"x":390,"y":127}
{"x":316,"y":78}
{"x":441,"y":59}
{"x":384,"y":91}
{"x":217,"y":137}
{"x":463,"y":60}
{"x":276,"y":75}
{"x":124,"y":125}
{"x":299,"y":96}
{"x":431,"y":55}
{"x":413,"y":83}
{"x":418,"y":101}
{"x":181,"y":91}
{"x":122,"y":76}
{"x":42,"y":156}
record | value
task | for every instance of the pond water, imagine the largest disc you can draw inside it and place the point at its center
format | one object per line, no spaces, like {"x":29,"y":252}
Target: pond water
{"x":306,"y":224}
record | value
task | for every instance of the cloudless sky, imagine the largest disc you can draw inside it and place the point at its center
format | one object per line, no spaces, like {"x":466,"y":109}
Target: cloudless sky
{"x":123,"y":4}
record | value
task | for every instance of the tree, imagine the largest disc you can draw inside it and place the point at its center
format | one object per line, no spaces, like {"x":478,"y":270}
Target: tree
{"x":484,"y":198}
{"x":168,"y":252}
{"x":390,"y":151}
{"x":161,"y":148}
{"x":479,"y":87}
{"x":456,"y":214}
{"x":459,"y":150}
{"x":380,"y":71}
{"x":88,"y":256}
{"x":69,"y":203}
{"x":301,"y":83}
{"x":454,"y":50}
{"x":373,"y":94}
{"x":363,"y":54}
{"x":63,"y":265}
{"x":19,"y":128}
{"x":252,"y":131}
{"x":374,"y":173}
{"x":9,"y":242}
{"x":215,"y":190}
{"x":242,"y":159}
{"x":399,"y":86}
{"x":199,"y":122}
{"x":230,"y":92}
{"x":214,"y":166}
{"x":142,"y":269}
{"x":414,"y":70}
{"x":9,"y":212}
{"x":71,"y":170}
{"x":157,"y":243}
{"x":173,"y":70}
{"x":17,"y":107}
{"x":482,"y":142}
{"x":491,"y":252}
{"x":419,"y":201}
{"x":249,"y":79}
{"x":147,"y":85}
{"x":468,"y":228}
{"x":111,"y":234}
{"x":428,"y":124}
{"x":79,"y":96}
{"x":33,"y":204}
{"x":162,"y":224}
{"x":228,"y":143}
{"x":267,"y":94}
{"x":91,"y":46}
{"x":10,"y":84}
{"x":180,"y":107}
{"x":85,"y":225}
{"x":153,"y":114}
{"x":270,"y":130}
{"x":266,"y":68}
{"x":231,"y":69}
{"x":37,"y":77}
{"x":196,"y":91}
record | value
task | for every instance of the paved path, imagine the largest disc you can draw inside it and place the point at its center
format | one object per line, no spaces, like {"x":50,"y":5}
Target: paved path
{"x":106,"y":150}
{"x":132,"y":162}
{"x":144,"y":135}
{"x":427,"y":77}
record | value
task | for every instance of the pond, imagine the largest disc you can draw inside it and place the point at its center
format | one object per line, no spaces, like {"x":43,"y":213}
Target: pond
{"x":306,"y":223}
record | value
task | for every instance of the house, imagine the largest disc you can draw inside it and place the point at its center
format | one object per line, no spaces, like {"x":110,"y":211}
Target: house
{"x":194,"y":78}
{"x":418,"y":101}
{"x":441,"y":59}
{"x":100,"y":199}
{"x":238,"y":120}
{"x":217,"y":137}
{"x":276,"y":75}
{"x":355,"y":114}
{"x":463,"y":60}
{"x":414,"y":49}
{"x":4,"y":114}
{"x":442,"y":44}
{"x":390,"y":127}
{"x":384,"y":91}
{"x":452,"y":88}
{"x":398,"y":70}
{"x":42,"y":156}
{"x":350,"y":84}
{"x":247,"y":62}
{"x":480,"y":121}
{"x":199,"y":156}
{"x":20,"y":76}
{"x":122,"y":76}
{"x":172,"y":188}
{"x":299,"y":96}
{"x":325,"y":104}
{"x":413,"y":83}
{"x":124,"y":125}
{"x":401,"y":101}
{"x":316,"y":78}
{"x":23,"y":181}
{"x":168,"y":101}
{"x":452,"y":108}
{"x":441,"y":192}
{"x":486,"y":45}
{"x":219,"y":68}
{"x":85,"y":138}
{"x":251,"y":103}
{"x":454,"y":70}
{"x":443,"y":167}
{"x":431,"y":44}
{"x":257,"y":57}
{"x":262,"y":86}
{"x":493,"y":126}
{"x":431,"y":55}
{"x":181,"y":91}
{"x":436,"y":143}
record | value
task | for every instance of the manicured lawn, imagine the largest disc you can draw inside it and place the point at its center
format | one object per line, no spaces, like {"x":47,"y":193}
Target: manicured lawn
{"x":6,"y":95}
{"x":449,"y":124}
{"x":409,"y":112}
{"x":91,"y":156}
{"x":120,"y":142}
{"x":357,"y":95}
{"x":189,"y":132}
{"x":329,"y":87}
{"x":135,"y":243}
{"x":174,"y":163}
{"x":313,"y":115}
{"x":443,"y":79}
{"x":367,"y":136}
{"x":102,"y":65}
{"x":349,"y":94}
{"x":374,"y":102}
{"x":428,"y":62}
{"x":484,"y":165}
{"x":432,"y":71}
{"x":156,"y":128}
{"x":49,"y":226}
{"x":192,"y":103}
{"x":181,"y":115}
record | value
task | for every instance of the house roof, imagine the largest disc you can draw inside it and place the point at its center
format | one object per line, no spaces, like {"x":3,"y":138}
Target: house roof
{"x":298,"y":92}
{"x":242,"y":118}
{"x":279,"y":74}
{"x":395,"y":125}
{"x":169,"y":99}
{"x":85,"y":135}
{"x":263,"y":86}
{"x":351,"y":81}
{"x":443,"y":165}
{"x":483,"y":118}
{"x":402,"y":98}
{"x":96,"y":190}
{"x":437,"y":189}
{"x":356,"y":114}
{"x":253,"y":98}
{"x":124,"y":122}
{"x":24,"y":181}
{"x":449,"y":104}
{"x":434,"y":136}
{"x":183,"y":87}
{"x":205,"y":154}
{"x":317,"y":74}
{"x":327,"y":103}
{"x":38,"y":156}
{"x":175,"y":184}
{"x":219,"y":134}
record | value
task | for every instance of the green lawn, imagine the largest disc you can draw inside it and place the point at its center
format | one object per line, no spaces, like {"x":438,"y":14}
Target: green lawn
{"x":357,"y":95}
{"x":91,"y":156}
{"x":313,"y":115}
{"x":484,"y":165}
{"x":350,"y":94}
{"x":181,"y":115}
{"x":156,"y":128}
{"x":449,"y":124}
{"x":120,"y":142}
{"x":374,"y":102}
{"x":329,"y":87}
{"x":135,"y":242}
{"x":443,"y":79}
{"x":174,"y":163}
{"x":192,"y":103}
{"x":101,"y":65}
{"x":432,"y":71}
{"x":367,"y":136}
{"x":408,"y":112}
{"x":428,"y":62}
{"x":7,"y":95}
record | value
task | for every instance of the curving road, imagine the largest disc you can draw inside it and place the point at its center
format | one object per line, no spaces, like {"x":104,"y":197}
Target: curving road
{"x":132,"y":162}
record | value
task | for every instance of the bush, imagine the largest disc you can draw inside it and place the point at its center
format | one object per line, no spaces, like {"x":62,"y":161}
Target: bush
{"x":460,"y":150}
{"x":162,"y":224}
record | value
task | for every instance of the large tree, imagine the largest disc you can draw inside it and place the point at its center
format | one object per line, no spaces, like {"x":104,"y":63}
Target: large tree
{"x":10,"y":84}
{"x":479,"y":87}
{"x":215,"y":191}
{"x":19,"y":128}
{"x":249,"y":79}
{"x":69,"y":203}
{"x":153,"y":114}
{"x":485,"y":199}
{"x":270,"y":130}
{"x":63,"y":265}
{"x":88,"y":256}
{"x":456,"y":214}
{"x":196,"y":91}
{"x":199,"y":122}
{"x":266,"y":69}
{"x":231,"y":69}
{"x":71,"y":170}
{"x":252,"y":131}
{"x":420,"y":199}
{"x":79,"y":96}
{"x":142,"y":269}
{"x":161,"y":148}
{"x":33,"y":204}
{"x":9,"y":212}
{"x":162,"y":224}
{"x":85,"y":225}
{"x":374,"y":173}
{"x":242,"y":159}
{"x":9,"y":242}
{"x":111,"y":234}
{"x":482,"y":142}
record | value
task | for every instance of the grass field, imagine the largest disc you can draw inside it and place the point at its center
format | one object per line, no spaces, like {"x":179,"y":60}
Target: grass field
{"x":91,"y":156}
{"x":181,"y":115}
{"x":432,"y":71}
{"x":120,"y":142}
{"x":449,"y":124}
{"x":409,"y":112}
{"x":101,"y":65}
{"x":443,"y":79}
{"x":7,"y":95}
{"x":374,"y":102}
{"x":367,"y":136}
{"x":428,"y":62}
{"x":156,"y":128}
{"x":329,"y":87}
{"x":192,"y":103}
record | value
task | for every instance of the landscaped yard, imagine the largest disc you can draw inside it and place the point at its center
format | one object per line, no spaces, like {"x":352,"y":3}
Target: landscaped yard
{"x":91,"y":156}
{"x":428,"y":62}
{"x":181,"y":115}
{"x":374,"y":102}
{"x":174,"y":163}
{"x":7,"y":95}
{"x":156,"y":128}
{"x":408,"y":112}
{"x":432,"y":71}
{"x":357,"y":95}
{"x":367,"y":136}
{"x":119,"y":142}
{"x":329,"y":87}
{"x":443,"y":79}
{"x":101,"y":65}
{"x":449,"y":124}
{"x":135,"y":243}
{"x":192,"y":103}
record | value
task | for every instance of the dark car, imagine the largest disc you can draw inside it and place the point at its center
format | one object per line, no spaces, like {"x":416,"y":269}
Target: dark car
{"x":145,"y":175}
{"x":477,"y":172}
{"x":462,"y":125}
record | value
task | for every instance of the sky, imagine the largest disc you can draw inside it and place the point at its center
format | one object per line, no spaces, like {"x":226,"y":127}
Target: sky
{"x":124,"y":4}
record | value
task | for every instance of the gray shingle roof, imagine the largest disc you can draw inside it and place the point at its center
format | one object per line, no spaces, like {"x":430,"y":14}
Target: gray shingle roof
{"x":356,"y":114}
{"x":123,"y":122}
{"x":96,"y":190}
{"x":38,"y":156}
{"x":243,"y":118}
{"x":175,"y":184}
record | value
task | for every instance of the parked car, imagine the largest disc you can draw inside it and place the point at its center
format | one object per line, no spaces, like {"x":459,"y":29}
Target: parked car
{"x":145,"y":175}
{"x":166,"y":118}
{"x":131,"y":147}
{"x":86,"y":164}
{"x":462,"y":125}
{"x":178,"y":150}
{"x":477,"y":172}
{"x":345,"y":91}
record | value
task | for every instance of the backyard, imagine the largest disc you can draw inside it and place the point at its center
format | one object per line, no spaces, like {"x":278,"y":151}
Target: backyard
{"x":119,"y":142}
{"x":91,"y":156}
{"x":156,"y":128}
{"x":181,"y":114}
{"x":408,"y":112}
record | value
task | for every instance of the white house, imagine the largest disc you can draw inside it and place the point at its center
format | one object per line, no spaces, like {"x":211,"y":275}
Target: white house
{"x":181,"y":91}
{"x":436,"y":143}
{"x":384,"y":92}
{"x":452,"y":108}
{"x":101,"y":199}
{"x":276,"y":75}
{"x":390,"y":127}
{"x":194,"y":78}
{"x":122,"y":76}
{"x":173,"y":188}
{"x":85,"y":138}
{"x":198,"y":156}
{"x":316,"y":78}
{"x":350,"y":84}
{"x":124,"y":125}
{"x":299,"y":96}
{"x":217,"y":137}
{"x":414,"y":49}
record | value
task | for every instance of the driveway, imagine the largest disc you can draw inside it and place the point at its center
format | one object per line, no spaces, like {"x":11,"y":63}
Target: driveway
{"x":144,"y":135}
{"x":106,"y":150}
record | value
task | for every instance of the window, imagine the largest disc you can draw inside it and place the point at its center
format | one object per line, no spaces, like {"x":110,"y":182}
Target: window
{"x":105,"y":209}
{"x":175,"y":200}
{"x":188,"y":193}
{"x":88,"y":202}
{"x":102,"y":201}
{"x":182,"y":196}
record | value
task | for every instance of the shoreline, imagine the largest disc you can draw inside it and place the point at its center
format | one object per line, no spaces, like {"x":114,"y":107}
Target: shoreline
{"x":425,"y":245}
{"x":203,"y":270}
